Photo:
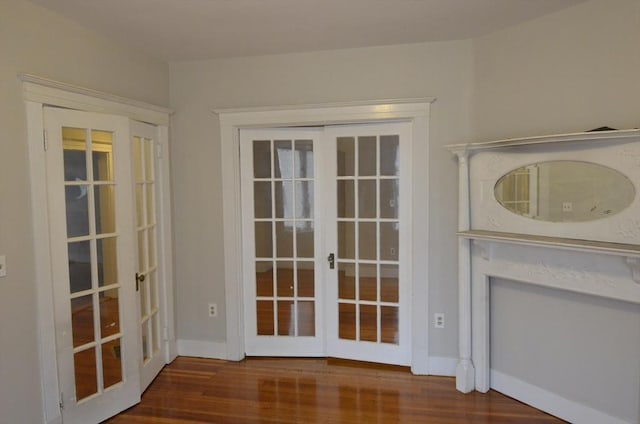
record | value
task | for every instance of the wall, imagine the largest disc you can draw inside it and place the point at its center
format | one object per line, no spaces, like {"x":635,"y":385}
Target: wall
{"x":35,"y":41}
{"x":443,"y":70}
{"x":574,"y":70}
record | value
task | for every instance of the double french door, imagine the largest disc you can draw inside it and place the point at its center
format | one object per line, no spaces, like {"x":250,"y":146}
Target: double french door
{"x":103,"y":232}
{"x":325,"y":236}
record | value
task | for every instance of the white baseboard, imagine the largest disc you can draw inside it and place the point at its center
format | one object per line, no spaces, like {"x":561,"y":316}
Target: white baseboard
{"x":442,"y":366}
{"x":549,"y":402}
{"x":56,"y":420}
{"x":200,"y":349}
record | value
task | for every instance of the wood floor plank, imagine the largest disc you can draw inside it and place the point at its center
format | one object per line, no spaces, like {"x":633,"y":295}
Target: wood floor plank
{"x":299,"y":390}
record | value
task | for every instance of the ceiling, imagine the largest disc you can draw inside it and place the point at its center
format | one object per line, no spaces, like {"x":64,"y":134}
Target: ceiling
{"x":179,"y":30}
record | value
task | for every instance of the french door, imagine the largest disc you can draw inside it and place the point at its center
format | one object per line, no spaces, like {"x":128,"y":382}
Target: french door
{"x":325,"y":239}
{"x":102,"y":228}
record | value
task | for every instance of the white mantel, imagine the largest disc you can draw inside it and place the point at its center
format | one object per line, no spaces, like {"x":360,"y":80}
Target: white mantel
{"x":599,"y":257}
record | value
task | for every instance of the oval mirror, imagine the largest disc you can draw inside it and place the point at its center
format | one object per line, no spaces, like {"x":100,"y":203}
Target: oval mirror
{"x":564,"y":191}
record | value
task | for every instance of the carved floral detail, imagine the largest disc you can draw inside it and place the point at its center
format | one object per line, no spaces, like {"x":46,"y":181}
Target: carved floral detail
{"x":539,"y":271}
{"x":493,"y":223}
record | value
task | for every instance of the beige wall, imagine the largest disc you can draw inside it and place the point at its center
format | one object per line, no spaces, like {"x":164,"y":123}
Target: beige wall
{"x":35,"y":41}
{"x":443,"y":70}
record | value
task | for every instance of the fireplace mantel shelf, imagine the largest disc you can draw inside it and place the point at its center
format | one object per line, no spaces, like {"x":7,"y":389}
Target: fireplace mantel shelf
{"x":606,"y":248}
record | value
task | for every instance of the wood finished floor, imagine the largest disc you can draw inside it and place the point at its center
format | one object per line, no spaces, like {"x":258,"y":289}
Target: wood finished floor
{"x":274,"y":390}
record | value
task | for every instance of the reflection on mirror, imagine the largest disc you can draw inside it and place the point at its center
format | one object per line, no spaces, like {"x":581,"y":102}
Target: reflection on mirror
{"x":564,"y":191}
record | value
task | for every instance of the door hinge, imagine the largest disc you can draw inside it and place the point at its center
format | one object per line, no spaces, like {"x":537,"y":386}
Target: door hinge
{"x":45,"y":140}
{"x":61,"y":403}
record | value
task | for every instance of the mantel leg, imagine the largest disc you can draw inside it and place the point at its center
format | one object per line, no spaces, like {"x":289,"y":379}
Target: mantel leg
{"x":465,"y":371}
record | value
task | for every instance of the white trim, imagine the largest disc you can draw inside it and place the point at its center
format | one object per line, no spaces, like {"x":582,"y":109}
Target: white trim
{"x":200,"y":349}
{"x":443,"y":366}
{"x":231,"y":120}
{"x":42,"y":90}
{"x":550,"y":402}
{"x":37,"y":93}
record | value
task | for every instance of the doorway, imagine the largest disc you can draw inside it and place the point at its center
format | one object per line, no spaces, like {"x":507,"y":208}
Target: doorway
{"x":340,"y":189}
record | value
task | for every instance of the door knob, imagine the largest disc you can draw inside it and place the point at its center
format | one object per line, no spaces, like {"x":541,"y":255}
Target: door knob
{"x":139,"y":279}
{"x":332,"y":260}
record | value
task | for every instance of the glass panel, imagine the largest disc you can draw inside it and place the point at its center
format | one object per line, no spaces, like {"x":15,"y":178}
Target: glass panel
{"x":389,"y":241}
{"x":306,"y":283}
{"x":105,"y":209}
{"x":283,"y":159}
{"x":264,"y":240}
{"x":389,"y":155}
{"x":137,"y":158}
{"x":264,"y":278}
{"x":262,"y":199}
{"x":346,"y":281}
{"x":107,"y":262}
{"x":346,"y":199}
{"x":367,"y":198}
{"x":152,"y":247}
{"x":140,"y":214}
{"x":306,"y":319}
{"x":262,"y":159}
{"x":148,"y":159}
{"x":368,"y":282}
{"x":346,"y":156}
{"x":389,"y":325}
{"x":347,"y":321}
{"x":304,"y":241}
{"x":304,"y":199}
{"x":367,"y":155}
{"x":367,"y":240}
{"x":389,"y":191}
{"x":86,"y":376}
{"x":144,"y":298}
{"x":151,"y":218}
{"x":286,"y":314}
{"x":79,"y":266}
{"x":111,"y":363}
{"x":155,"y":337}
{"x":284,"y":199}
{"x":303,"y":159}
{"x":142,"y":251}
{"x":109,"y":313}
{"x":101,"y":146}
{"x":284,"y":277}
{"x":82,"y":320}
{"x":284,"y":239}
{"x":389,"y":283}
{"x":146,"y":351}
{"x":368,"y":323}
{"x":265,"y":324}
{"x":75,"y":154}
{"x":153,"y":289}
{"x":346,"y":240}
{"x":77,"y":208}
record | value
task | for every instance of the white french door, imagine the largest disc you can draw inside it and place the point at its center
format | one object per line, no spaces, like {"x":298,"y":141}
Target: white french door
{"x":104,"y":242}
{"x":325,"y":241}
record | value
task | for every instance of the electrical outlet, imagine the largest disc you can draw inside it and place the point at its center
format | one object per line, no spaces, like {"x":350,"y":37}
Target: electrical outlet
{"x":567,"y":207}
{"x":3,"y":266}
{"x":213,"y":310}
{"x":438,"y":320}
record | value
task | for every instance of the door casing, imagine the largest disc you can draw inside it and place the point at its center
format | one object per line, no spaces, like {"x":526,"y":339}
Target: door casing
{"x":37,"y":93}
{"x":416,"y":111}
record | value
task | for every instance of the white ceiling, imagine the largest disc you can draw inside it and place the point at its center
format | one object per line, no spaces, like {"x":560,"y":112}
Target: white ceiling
{"x":177,"y":30}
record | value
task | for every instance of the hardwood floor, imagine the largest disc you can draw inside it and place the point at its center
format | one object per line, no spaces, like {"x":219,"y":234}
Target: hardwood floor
{"x":295,"y":390}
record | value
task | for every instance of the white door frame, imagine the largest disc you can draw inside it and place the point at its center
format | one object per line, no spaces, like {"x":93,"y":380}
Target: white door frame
{"x":415,"y":111}
{"x":38,"y":92}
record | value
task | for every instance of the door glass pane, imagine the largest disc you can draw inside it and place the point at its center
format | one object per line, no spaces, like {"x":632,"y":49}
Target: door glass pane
{"x":303,"y":159}
{"x":101,"y":150}
{"x":389,"y":155}
{"x":146,"y":342}
{"x":137,"y":159}
{"x":107,"y":261}
{"x":265,"y":322}
{"x":367,"y":198}
{"x":86,"y":375}
{"x":155,"y":338}
{"x":306,"y":284}
{"x":389,"y":283}
{"x":389,"y":191}
{"x":367,"y":156}
{"x":347,"y":281}
{"x":304,"y":239}
{"x":346,"y":199}
{"x":346,"y":240}
{"x":262,"y":199}
{"x":79,"y":254}
{"x":389,"y":325}
{"x":284,"y":275}
{"x":286,"y":314}
{"x":347,"y":321}
{"x":77,"y":207}
{"x":148,"y":160}
{"x":368,"y":282}
{"x":284,"y":199}
{"x":150,"y":199}
{"x":140,"y":214}
{"x":82,"y":320}
{"x":304,"y":199}
{"x":306,"y":319}
{"x":105,"y":209}
{"x":263,"y":240}
{"x":367,"y":240}
{"x":346,"y":156}
{"x":368,"y":323}
{"x":111,"y":363}
{"x":283,"y":159}
{"x":153,"y":290}
{"x":284,"y":239}
{"x":389,"y":241}
{"x":109,"y":313}
{"x":74,"y":154}
{"x":262,"y":159}
{"x":142,"y":249}
{"x":264,"y":278}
